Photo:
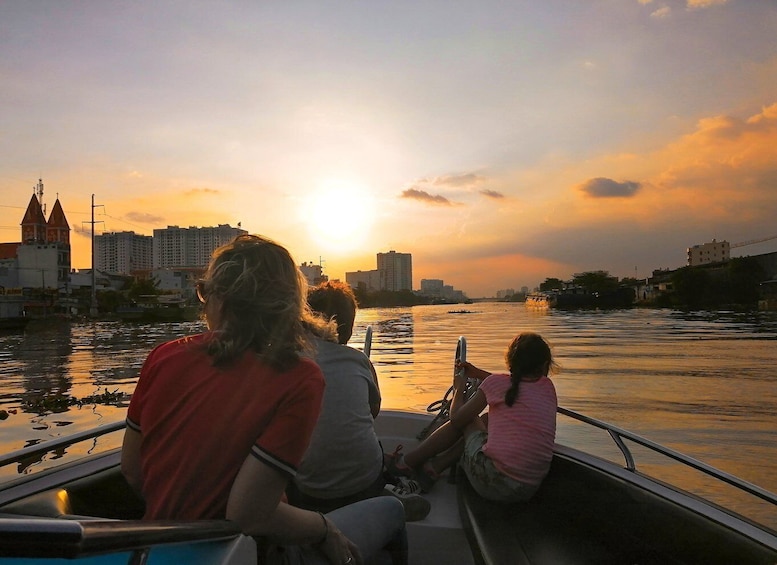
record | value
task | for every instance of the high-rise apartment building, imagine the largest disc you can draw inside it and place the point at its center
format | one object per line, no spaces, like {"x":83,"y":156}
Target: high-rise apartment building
{"x":123,"y":252}
{"x":396,"y":271}
{"x":190,"y":247}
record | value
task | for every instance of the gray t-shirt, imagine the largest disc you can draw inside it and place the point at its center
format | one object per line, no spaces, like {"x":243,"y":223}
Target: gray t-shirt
{"x":344,"y":456}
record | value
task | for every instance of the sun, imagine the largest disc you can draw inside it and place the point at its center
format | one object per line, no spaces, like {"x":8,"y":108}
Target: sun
{"x":340,"y":215}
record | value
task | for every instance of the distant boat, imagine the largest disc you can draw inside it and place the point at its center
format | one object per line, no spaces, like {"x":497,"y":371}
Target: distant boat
{"x":163,"y":310}
{"x":12,"y":314}
{"x":578,"y":297}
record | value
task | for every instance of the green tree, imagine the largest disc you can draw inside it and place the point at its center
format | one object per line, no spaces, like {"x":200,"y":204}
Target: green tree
{"x":691,"y":286}
{"x":551,"y":284}
{"x":744,"y":276}
{"x":596,"y":281}
{"x":143,"y":287}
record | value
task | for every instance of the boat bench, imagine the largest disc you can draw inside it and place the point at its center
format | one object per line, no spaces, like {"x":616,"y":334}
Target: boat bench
{"x":104,"y":495}
{"x":583,"y":515}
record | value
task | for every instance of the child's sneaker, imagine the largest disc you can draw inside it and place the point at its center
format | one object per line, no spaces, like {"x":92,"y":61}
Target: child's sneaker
{"x":416,"y":506}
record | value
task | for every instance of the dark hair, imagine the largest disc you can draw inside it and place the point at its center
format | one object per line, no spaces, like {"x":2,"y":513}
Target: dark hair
{"x":260,"y":303}
{"x":528,"y":355}
{"x":336,"y":301}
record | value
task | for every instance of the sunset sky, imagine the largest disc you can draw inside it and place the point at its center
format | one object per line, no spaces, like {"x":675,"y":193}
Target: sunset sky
{"x":500,"y":143}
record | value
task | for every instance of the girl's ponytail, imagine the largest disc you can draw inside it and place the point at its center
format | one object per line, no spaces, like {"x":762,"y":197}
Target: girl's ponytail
{"x":512,"y":392}
{"x":528,"y":355}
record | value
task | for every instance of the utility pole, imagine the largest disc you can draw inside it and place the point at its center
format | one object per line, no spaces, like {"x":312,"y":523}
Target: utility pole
{"x":93,"y":304}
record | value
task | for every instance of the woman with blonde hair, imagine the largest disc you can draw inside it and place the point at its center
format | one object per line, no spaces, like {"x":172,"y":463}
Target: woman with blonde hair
{"x":219,"y":421}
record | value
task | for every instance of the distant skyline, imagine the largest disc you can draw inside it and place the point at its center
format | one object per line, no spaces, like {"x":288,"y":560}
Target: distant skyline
{"x":499,"y":143}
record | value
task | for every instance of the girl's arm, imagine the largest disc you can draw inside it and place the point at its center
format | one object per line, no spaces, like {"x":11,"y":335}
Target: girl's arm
{"x":463,"y":413}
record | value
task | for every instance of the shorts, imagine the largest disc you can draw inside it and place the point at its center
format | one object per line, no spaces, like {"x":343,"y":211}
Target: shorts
{"x":486,"y":479}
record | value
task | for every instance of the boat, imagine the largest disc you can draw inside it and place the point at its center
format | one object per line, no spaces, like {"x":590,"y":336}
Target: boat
{"x":160,"y":309}
{"x":12,"y":313}
{"x":574,"y":297}
{"x":588,"y":510}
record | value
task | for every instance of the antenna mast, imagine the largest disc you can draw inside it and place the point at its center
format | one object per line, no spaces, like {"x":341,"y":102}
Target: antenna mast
{"x":38,"y":188}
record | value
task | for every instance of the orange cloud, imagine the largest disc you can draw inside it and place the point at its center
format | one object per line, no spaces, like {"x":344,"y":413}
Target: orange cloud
{"x":423,"y":196}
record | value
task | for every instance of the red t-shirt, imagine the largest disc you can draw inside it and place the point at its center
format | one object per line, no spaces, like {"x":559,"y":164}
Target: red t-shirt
{"x":200,"y":422}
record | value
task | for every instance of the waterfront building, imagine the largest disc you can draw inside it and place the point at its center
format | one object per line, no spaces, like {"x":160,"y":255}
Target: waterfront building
{"x":123,"y":252}
{"x":432,"y":287}
{"x":175,"y":247}
{"x":396,"y":271}
{"x":369,"y":280}
{"x":43,"y":255}
{"x":505,"y":293}
{"x":711,"y":252}
{"x":313,"y":273}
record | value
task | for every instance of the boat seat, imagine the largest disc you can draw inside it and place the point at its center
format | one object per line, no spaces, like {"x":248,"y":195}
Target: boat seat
{"x":104,"y":495}
{"x":581,"y":515}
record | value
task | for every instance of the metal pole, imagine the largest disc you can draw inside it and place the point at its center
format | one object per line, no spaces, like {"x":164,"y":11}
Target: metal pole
{"x":93,"y":306}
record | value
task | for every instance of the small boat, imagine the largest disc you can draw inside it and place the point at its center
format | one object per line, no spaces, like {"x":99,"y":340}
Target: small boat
{"x":161,"y":309}
{"x":588,"y":510}
{"x":12,"y":314}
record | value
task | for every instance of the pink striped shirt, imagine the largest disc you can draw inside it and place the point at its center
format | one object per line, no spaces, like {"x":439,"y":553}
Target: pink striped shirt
{"x":521,"y":436}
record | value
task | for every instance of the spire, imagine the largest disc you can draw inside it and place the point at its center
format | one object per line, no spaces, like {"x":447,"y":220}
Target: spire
{"x":34,"y":223}
{"x":57,"y":228}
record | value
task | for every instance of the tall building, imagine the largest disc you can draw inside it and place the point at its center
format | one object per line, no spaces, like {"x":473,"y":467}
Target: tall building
{"x":190,"y":247}
{"x":396,"y":271}
{"x":123,"y":252}
{"x":711,"y":252}
{"x":43,"y":255}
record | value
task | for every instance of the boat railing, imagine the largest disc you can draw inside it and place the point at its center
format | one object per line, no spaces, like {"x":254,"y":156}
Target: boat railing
{"x":618,"y":435}
{"x":58,"y":443}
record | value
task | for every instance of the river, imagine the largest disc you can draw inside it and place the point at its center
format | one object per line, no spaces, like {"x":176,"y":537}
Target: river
{"x":703,"y":383}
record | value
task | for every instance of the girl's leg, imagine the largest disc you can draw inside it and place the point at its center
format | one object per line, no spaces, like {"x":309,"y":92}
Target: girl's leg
{"x":441,"y":439}
{"x":453,"y":454}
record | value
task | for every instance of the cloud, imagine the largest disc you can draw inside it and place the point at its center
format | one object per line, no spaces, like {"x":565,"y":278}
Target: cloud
{"x":661,"y":13}
{"x":201,"y":192}
{"x":692,"y":4}
{"x":607,"y":188}
{"x":144,"y":217}
{"x":465,"y":179}
{"x":492,"y":194}
{"x":423,"y":196}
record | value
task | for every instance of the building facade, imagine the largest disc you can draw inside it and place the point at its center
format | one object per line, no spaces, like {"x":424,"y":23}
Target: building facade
{"x":369,"y":280}
{"x":43,"y":255}
{"x":711,"y":252}
{"x":123,"y":252}
{"x":175,"y":247}
{"x":396,"y":271}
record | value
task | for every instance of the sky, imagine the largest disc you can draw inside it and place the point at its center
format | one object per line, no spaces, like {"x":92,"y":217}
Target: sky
{"x":499,"y":142}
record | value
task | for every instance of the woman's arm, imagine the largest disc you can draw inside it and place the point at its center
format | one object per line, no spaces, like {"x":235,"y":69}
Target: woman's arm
{"x":255,"y":505}
{"x":375,"y":402}
{"x":462,"y":412}
{"x":130,"y":459}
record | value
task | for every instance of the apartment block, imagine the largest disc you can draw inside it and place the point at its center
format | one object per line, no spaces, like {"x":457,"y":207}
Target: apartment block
{"x":711,"y":252}
{"x":396,"y":271}
{"x":190,"y":247}
{"x":123,"y":252}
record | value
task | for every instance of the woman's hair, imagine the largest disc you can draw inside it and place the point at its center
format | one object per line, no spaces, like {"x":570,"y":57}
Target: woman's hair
{"x":528,"y":355}
{"x":336,"y":301}
{"x":260,"y":303}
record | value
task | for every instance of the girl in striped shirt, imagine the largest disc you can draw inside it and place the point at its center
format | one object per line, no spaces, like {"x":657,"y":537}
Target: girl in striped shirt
{"x":506,"y":453}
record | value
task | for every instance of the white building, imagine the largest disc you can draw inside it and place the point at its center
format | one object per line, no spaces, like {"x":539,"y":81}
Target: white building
{"x":190,"y":247}
{"x":712,"y":252}
{"x":396,"y":271}
{"x":370,"y":280}
{"x":313,"y":273}
{"x":123,"y":252}
{"x":432,"y":287}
